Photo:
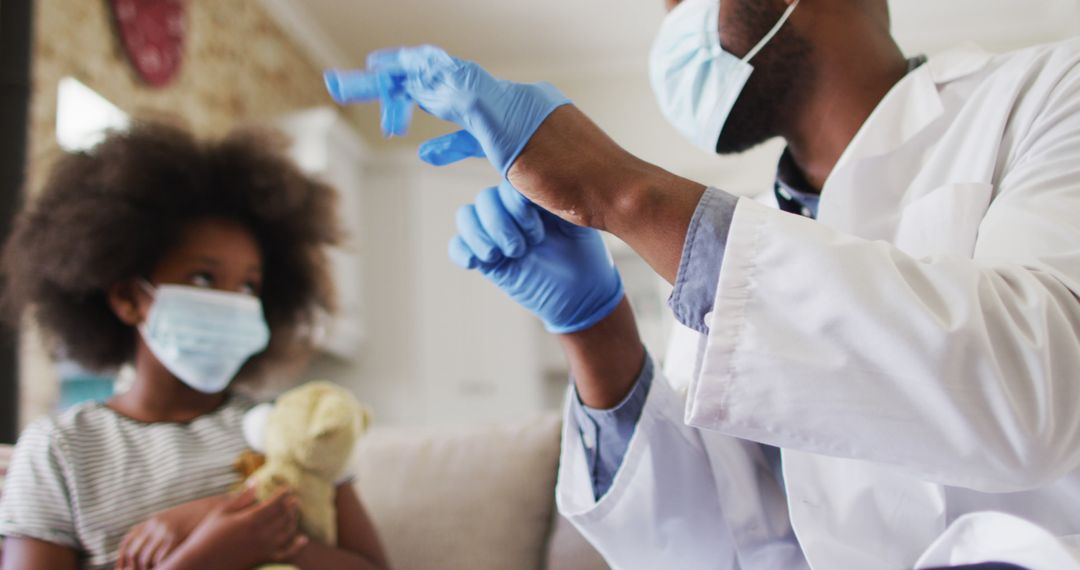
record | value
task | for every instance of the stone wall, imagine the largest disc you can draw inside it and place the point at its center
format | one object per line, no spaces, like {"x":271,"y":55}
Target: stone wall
{"x":238,"y":67}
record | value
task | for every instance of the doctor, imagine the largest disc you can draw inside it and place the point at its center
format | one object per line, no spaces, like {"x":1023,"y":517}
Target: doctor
{"x":914,"y":350}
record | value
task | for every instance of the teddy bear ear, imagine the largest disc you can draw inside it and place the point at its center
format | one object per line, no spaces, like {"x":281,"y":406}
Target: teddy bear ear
{"x":255,"y":426}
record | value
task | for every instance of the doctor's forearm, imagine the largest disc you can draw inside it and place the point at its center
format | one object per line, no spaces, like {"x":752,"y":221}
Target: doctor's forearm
{"x":653,"y":218}
{"x":573,"y":169}
{"x":605,"y":359}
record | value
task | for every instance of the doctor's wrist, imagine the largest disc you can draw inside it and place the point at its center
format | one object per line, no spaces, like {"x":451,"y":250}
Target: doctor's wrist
{"x":605,"y":359}
{"x":572,"y":169}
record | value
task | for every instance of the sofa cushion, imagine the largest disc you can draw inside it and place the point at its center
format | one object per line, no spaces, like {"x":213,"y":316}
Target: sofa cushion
{"x":476,"y":498}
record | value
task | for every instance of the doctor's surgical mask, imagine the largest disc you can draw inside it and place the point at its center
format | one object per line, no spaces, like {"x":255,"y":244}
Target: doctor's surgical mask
{"x":696,"y":82}
{"x":203,"y":336}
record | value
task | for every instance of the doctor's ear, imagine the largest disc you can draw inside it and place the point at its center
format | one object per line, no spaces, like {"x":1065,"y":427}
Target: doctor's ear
{"x":124,"y":300}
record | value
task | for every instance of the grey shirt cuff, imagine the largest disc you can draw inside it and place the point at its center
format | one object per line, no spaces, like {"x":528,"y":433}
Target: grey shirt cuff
{"x":703,"y":254}
{"x":606,"y":434}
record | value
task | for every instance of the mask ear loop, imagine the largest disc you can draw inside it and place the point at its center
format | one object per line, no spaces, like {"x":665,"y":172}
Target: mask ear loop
{"x":149,"y":290}
{"x":772,"y":33}
{"x":147,"y":287}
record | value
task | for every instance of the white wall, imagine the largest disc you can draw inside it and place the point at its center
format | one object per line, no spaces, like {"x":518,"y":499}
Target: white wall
{"x":443,"y":346}
{"x":385,"y":369}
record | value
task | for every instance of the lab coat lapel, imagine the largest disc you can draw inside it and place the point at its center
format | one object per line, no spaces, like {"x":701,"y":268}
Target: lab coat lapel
{"x":874,"y":174}
{"x":868,"y":181}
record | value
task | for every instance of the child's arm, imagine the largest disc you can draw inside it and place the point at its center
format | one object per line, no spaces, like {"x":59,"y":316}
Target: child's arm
{"x":358,"y":543}
{"x":242,"y":533}
{"x":151,"y":541}
{"x":34,"y":554}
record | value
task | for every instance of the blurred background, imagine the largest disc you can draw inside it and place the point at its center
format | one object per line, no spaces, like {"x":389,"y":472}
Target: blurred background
{"x":421,"y":341}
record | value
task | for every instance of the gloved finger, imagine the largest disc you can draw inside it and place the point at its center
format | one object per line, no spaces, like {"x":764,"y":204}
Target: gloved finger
{"x":525,"y":213}
{"x":499,"y":225}
{"x":351,"y":86}
{"x":415,"y":60}
{"x":461,"y":255}
{"x":472,"y":232}
{"x":396,"y":105}
{"x":450,"y":148}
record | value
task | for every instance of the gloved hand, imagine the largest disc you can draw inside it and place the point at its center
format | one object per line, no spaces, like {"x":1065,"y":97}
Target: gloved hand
{"x":498,"y":117}
{"x":559,"y":271}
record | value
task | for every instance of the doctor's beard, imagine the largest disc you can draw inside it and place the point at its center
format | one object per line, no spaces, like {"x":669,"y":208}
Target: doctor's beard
{"x":782,"y":71}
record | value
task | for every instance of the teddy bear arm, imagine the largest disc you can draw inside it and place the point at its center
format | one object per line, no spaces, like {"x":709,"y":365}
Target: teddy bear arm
{"x":318,"y":516}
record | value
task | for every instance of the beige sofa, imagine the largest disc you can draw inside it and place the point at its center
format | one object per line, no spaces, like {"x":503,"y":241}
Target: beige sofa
{"x":477,"y":498}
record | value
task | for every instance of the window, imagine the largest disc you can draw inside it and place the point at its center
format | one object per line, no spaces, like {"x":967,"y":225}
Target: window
{"x":83,"y":117}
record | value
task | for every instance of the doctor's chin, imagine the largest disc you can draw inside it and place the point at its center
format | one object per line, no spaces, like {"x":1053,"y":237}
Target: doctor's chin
{"x":673,"y":284}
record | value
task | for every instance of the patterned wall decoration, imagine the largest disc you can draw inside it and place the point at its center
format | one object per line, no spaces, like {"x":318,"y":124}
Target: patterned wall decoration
{"x":238,"y":67}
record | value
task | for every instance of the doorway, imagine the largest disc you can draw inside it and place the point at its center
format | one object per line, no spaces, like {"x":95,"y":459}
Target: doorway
{"x":16,"y":27}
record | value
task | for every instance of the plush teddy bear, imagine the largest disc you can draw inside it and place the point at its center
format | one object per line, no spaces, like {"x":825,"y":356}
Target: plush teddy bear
{"x":307,"y":437}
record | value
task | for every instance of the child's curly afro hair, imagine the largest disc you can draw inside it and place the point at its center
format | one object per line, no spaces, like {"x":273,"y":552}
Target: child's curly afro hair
{"x":109,"y":215}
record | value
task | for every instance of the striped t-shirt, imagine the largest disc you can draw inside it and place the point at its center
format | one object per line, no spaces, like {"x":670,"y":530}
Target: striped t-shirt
{"x":83,"y":478}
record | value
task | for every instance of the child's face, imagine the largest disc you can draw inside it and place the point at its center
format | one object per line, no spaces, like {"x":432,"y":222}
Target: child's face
{"x":212,"y":253}
{"x":215,"y":254}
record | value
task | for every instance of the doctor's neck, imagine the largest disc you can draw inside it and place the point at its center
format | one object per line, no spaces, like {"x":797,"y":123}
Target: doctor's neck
{"x":856,"y":63}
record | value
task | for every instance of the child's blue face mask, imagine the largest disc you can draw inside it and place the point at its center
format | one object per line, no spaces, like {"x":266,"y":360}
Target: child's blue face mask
{"x":204,"y":336}
{"x":694,"y":79}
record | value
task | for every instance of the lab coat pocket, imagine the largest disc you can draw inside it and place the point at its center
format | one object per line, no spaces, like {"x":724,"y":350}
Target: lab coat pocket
{"x":944,"y":221}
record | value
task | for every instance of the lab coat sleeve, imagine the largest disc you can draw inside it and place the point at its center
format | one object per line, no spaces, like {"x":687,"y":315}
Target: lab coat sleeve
{"x":977,"y":537}
{"x":957,"y":369}
{"x":680,"y":499}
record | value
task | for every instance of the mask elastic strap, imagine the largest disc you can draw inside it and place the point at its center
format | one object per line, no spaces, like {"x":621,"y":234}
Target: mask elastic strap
{"x":772,"y":33}
{"x":147,"y":287}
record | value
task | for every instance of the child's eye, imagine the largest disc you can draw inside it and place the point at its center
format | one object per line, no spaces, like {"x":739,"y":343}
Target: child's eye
{"x":253,"y":287}
{"x":202,"y":279}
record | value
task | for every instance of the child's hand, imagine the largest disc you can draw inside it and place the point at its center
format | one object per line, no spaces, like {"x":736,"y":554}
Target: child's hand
{"x":243,"y":533}
{"x":151,"y":541}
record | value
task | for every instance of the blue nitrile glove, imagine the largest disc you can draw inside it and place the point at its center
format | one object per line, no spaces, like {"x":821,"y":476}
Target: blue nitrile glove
{"x":498,"y":117}
{"x":559,"y":271}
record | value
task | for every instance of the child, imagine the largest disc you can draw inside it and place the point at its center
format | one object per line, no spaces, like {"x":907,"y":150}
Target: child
{"x":199,"y":263}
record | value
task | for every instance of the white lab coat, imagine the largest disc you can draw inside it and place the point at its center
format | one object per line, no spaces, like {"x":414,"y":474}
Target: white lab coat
{"x":915,"y":351}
